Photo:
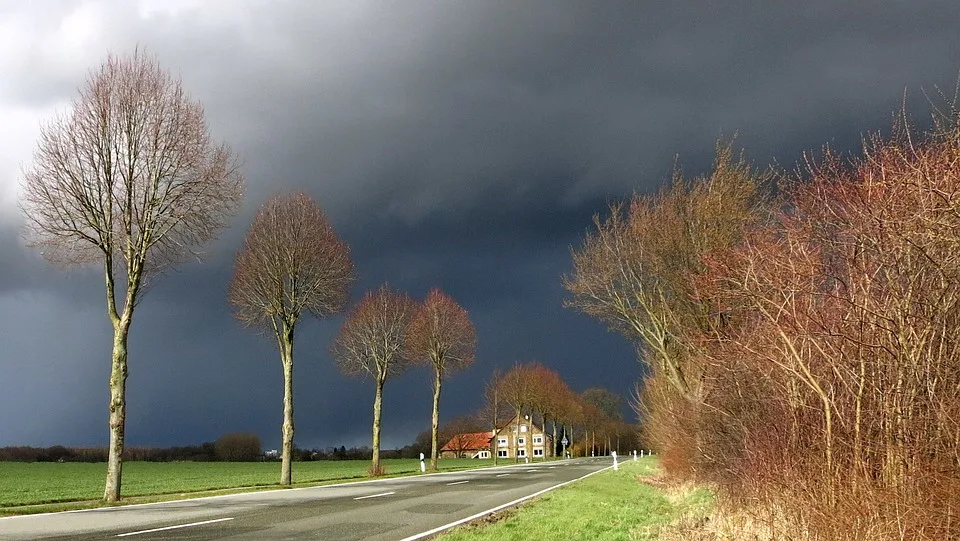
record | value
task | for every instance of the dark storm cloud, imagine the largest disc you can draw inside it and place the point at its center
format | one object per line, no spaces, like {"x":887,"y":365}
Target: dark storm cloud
{"x":463,"y":145}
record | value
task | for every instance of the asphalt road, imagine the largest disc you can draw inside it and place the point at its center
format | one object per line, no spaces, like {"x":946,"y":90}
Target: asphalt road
{"x":403,"y":508}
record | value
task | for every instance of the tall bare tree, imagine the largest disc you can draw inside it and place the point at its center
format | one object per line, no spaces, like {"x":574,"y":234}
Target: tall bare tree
{"x":132,"y":179}
{"x":639,"y":269}
{"x":291,"y":261}
{"x":441,"y":336}
{"x":551,"y":390}
{"x":493,"y":404}
{"x":518,"y":390}
{"x":370,"y":344}
{"x":609,"y":404}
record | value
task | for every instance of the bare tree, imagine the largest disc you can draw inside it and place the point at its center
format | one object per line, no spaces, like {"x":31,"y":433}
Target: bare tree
{"x":370,"y":344}
{"x":132,"y":179}
{"x":609,"y":404}
{"x":634,"y":272}
{"x":291,"y":261}
{"x":518,"y":388}
{"x":442,"y":336}
{"x":564,"y":408}
{"x":551,"y":390}
{"x":638,"y":272}
{"x":491,"y":410}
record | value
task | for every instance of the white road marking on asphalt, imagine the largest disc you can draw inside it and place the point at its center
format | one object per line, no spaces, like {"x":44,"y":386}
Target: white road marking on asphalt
{"x":176,"y":527}
{"x":532,"y":470}
{"x":438,"y":529}
{"x":503,"y":475}
{"x":457,"y":483}
{"x":375,"y":495}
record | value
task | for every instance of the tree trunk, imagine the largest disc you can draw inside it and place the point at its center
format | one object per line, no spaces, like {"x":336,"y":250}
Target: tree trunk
{"x":118,"y":406}
{"x":286,"y":357}
{"x":516,"y":439}
{"x":377,"y":405}
{"x":529,"y":438}
{"x":553,"y":443}
{"x":435,"y":421}
{"x":494,"y":445}
{"x":543,"y":434}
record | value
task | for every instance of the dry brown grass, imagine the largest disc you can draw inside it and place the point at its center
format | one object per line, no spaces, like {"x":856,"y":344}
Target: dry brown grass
{"x":376,"y":470}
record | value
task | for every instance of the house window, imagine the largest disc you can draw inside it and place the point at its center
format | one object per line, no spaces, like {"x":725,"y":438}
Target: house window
{"x":502,"y":453}
{"x":538,"y":439}
{"x":523,"y":428}
{"x":521,"y":441}
{"x":484,"y":454}
{"x":521,"y":453}
{"x":538,"y":452}
{"x":502,"y":442}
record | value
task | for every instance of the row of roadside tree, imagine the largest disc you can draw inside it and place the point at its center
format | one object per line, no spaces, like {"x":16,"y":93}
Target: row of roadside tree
{"x":131,"y":179}
{"x":591,"y":422}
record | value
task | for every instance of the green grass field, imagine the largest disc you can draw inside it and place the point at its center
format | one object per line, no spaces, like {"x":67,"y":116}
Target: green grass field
{"x":607,"y":506}
{"x":50,"y":482}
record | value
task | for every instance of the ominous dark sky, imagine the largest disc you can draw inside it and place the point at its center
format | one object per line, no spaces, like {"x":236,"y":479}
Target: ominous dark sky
{"x":458,"y":144}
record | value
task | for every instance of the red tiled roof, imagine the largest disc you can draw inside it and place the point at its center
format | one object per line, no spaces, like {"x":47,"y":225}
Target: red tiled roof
{"x":468,"y":442}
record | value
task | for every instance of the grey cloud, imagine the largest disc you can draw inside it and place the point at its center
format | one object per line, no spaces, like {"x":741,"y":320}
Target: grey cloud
{"x":455,"y":144}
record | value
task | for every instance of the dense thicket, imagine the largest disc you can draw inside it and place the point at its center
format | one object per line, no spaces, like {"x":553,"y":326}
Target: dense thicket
{"x":808,"y":363}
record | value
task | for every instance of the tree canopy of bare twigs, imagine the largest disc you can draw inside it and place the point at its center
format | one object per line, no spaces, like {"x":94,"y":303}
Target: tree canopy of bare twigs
{"x":291,"y":262}
{"x":637,"y":272}
{"x":370,"y":344}
{"x":518,"y":389}
{"x":129,"y":177}
{"x":634,"y":271}
{"x":442,"y":336}
{"x":492,"y":410}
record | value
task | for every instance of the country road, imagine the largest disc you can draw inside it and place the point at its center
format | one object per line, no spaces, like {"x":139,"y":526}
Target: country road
{"x":403,"y":508}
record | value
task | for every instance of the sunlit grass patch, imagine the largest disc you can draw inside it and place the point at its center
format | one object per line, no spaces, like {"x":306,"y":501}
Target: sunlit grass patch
{"x":611,"y":505}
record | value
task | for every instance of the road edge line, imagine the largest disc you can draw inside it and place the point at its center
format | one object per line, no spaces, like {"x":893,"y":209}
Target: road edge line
{"x":176,"y":527}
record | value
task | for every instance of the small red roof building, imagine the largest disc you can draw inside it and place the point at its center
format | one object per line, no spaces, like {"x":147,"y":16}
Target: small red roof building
{"x":467,"y":445}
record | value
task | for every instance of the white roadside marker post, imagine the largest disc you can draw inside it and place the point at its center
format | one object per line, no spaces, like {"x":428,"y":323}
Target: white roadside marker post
{"x":423,"y":467}
{"x":615,"y":466}
{"x":634,"y":455}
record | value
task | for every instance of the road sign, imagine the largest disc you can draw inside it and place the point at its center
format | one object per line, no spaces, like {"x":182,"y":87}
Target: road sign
{"x":564,"y":442}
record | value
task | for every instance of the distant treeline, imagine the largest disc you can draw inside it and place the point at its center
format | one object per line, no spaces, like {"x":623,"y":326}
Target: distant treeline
{"x":356,"y":453}
{"x":229,"y":448}
{"x":58,"y":453}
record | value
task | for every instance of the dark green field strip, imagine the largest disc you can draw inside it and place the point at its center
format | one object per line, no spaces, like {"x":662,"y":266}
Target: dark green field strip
{"x":24,"y":484}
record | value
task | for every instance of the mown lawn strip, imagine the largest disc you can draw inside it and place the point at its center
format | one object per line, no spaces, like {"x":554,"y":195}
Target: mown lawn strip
{"x":612,"y":505}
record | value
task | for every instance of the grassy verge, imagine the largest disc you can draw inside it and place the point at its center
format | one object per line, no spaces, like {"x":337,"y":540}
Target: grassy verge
{"x":606,"y":506}
{"x":45,"y":486}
